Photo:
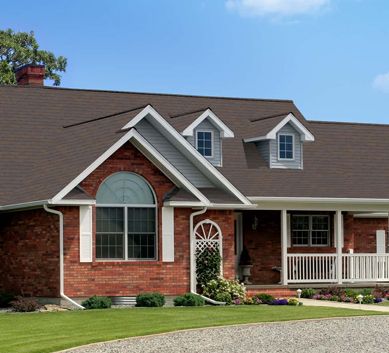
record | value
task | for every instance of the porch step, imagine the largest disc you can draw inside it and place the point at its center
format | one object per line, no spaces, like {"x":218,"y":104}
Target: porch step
{"x":275,"y":292}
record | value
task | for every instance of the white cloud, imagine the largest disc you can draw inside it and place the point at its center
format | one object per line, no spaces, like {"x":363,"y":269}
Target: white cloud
{"x":276,"y":8}
{"x":381,"y":82}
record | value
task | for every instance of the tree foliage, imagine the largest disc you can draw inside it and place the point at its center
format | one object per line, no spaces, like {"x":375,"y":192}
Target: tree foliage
{"x":21,"y":48}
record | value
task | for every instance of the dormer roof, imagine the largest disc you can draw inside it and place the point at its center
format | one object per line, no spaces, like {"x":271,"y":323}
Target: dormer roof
{"x":267,"y":128}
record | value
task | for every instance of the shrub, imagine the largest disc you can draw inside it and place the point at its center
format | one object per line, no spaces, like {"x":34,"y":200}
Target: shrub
{"x":208,"y":262}
{"x":249,"y":301}
{"x":226,"y":288}
{"x":264,"y":298}
{"x":23,"y":305}
{"x":350,"y":293}
{"x":224,"y":297}
{"x":334,"y":298}
{"x":378,"y":300}
{"x":279,"y":302}
{"x":6,"y":299}
{"x":96,"y":302}
{"x":379,"y":292}
{"x":293,"y":301}
{"x":308,"y":293}
{"x":368,"y":299}
{"x":150,"y":300}
{"x":366,"y":291}
{"x":189,"y":299}
{"x":332,"y":291}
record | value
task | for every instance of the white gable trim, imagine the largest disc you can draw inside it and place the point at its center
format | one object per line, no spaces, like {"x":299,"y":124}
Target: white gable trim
{"x":193,"y":153}
{"x":290,"y":118}
{"x":225,"y":131}
{"x":164,"y":165}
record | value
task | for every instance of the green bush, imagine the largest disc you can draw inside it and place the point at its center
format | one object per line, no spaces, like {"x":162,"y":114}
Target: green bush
{"x":6,"y":299}
{"x":368,"y":299}
{"x":96,"y":302}
{"x":224,"y":297}
{"x":366,"y":291}
{"x":189,"y":299}
{"x":264,"y":298}
{"x":308,"y":293}
{"x":23,"y":305}
{"x":208,"y":262}
{"x":350,"y":293}
{"x":150,"y":300}
{"x":225,"y":288}
{"x":293,"y":301}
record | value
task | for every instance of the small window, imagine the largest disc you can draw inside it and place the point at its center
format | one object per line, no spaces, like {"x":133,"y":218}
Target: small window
{"x":310,"y":230}
{"x":204,"y":140}
{"x":285,"y":147}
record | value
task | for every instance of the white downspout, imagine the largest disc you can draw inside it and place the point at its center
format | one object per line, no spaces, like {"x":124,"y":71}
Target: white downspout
{"x":61,"y":261}
{"x":192,"y":259}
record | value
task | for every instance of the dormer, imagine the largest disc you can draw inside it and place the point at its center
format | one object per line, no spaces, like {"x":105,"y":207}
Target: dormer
{"x":280,"y":140}
{"x":206,"y":134}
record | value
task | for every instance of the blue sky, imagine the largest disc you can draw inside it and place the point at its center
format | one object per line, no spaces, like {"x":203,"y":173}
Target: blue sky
{"x":330,"y":56}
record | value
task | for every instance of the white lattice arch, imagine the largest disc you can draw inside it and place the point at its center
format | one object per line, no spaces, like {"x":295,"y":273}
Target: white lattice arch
{"x":207,"y":234}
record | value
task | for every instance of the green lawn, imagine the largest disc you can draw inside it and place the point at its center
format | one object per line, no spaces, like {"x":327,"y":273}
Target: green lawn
{"x":49,"y":332}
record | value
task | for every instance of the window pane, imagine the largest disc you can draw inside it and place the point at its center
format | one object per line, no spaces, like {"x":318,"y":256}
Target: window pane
{"x":300,"y":230}
{"x":204,"y":143}
{"x":285,"y":146}
{"x":320,"y":230}
{"x":141,"y":233}
{"x":109,"y":232}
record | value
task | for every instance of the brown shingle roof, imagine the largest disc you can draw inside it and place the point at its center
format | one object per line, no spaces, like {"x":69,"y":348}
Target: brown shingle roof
{"x":38,"y":156}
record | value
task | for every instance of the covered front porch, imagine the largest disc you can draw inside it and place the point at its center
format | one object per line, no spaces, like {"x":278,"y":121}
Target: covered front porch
{"x":313,"y":247}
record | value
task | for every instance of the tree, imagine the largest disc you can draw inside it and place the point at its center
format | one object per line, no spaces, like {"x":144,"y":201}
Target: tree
{"x":21,"y":48}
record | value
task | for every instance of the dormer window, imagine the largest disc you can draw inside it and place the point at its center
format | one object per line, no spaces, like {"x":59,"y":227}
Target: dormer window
{"x":286,"y":146}
{"x":204,"y":143}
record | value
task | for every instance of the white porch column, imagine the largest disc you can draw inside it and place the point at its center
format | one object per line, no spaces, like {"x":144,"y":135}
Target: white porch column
{"x":284,"y":249}
{"x":339,"y":244}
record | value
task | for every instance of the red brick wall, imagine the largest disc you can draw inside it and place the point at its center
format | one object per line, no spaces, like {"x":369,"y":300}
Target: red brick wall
{"x":29,"y":253}
{"x":133,"y":277}
{"x":365,"y":233}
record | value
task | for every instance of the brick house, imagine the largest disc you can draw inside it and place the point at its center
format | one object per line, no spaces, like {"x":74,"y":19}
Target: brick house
{"x":111,"y":193}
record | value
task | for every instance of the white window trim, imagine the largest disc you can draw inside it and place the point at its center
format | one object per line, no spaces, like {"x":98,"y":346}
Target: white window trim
{"x":212,"y":142}
{"x":310,"y":231}
{"x":293,"y":147}
{"x":125,"y":233}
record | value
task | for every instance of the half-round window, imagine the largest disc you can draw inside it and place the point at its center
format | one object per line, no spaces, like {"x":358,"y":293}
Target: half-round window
{"x":125,"y":218}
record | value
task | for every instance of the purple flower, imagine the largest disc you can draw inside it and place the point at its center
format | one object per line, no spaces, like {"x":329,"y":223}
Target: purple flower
{"x":279,"y":302}
{"x":378,"y":300}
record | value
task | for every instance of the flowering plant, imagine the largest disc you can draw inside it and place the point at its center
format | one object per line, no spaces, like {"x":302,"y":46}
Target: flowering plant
{"x":224,"y":288}
{"x":279,"y":301}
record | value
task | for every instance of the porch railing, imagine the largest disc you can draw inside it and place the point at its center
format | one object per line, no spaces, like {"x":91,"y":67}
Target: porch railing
{"x":322,"y":268}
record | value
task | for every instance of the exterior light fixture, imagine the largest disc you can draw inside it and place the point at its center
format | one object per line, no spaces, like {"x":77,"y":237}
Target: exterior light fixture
{"x":299,"y":293}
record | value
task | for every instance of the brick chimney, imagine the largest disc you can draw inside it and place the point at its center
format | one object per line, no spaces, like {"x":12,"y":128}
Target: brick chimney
{"x":30,"y":74}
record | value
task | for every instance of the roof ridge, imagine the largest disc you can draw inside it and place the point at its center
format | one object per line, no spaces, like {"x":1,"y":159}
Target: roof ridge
{"x":189,"y":113}
{"x":347,"y":123}
{"x":270,"y":117}
{"x":149,"y":93}
{"x":104,"y":117}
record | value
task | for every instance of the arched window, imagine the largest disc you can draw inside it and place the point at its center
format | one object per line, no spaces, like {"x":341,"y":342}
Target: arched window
{"x":125,"y":218}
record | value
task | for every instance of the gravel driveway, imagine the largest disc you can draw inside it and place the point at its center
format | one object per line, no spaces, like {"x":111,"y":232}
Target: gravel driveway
{"x":365,"y":334}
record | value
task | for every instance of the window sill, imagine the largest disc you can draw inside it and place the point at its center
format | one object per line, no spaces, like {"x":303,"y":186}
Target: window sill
{"x":125,"y":262}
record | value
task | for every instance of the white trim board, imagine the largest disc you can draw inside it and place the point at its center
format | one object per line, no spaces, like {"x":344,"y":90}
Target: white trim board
{"x":305,"y":134}
{"x":153,"y":155}
{"x":225,"y":131}
{"x":188,"y":150}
